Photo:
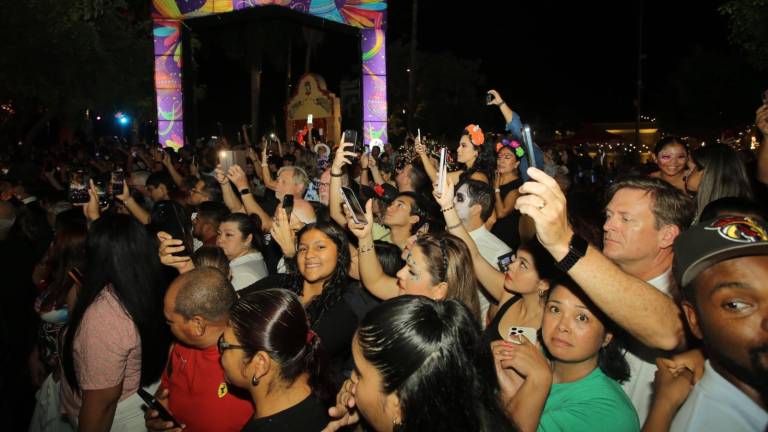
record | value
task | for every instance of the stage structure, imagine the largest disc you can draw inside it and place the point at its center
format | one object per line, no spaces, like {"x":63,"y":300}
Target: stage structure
{"x":367,"y":15}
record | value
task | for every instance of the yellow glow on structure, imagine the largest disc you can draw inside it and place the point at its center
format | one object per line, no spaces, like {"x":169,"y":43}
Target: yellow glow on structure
{"x":626,"y":131}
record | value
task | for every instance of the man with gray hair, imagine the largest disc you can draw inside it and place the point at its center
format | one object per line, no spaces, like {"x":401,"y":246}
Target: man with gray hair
{"x":193,"y":387}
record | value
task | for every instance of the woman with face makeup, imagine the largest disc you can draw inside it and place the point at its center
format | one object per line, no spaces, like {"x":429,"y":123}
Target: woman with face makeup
{"x":519,"y":290}
{"x":671,"y":156}
{"x":419,"y":367}
{"x":573,"y":385}
{"x":475,"y":152}
{"x":322,"y":258}
{"x":435,"y":267}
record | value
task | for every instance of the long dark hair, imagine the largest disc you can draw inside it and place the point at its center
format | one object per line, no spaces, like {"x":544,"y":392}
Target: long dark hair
{"x":610,"y":357}
{"x":121,"y":253}
{"x":427,"y":353}
{"x":333,"y":288}
{"x":486,"y":158}
{"x":67,"y":254}
{"x":274,"y":321}
{"x":724,"y":175}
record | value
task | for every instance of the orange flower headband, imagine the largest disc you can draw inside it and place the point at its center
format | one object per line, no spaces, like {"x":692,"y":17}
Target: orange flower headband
{"x":476,"y":135}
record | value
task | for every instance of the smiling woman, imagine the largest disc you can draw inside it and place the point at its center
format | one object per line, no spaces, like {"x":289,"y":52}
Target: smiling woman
{"x":323,"y":261}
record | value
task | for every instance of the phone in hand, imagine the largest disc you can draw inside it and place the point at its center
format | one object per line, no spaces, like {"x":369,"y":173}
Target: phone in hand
{"x":442,"y":171}
{"x":78,"y":187}
{"x":230,"y":158}
{"x":309,"y":119}
{"x":101,"y":192}
{"x":116,"y":180}
{"x":529,"y":332}
{"x":505,"y":260}
{"x":152,"y":402}
{"x":528,"y":143}
{"x":358,"y":214}
{"x":288,"y":206}
{"x":350,"y":136}
{"x":167,"y":218}
{"x":488,"y":98}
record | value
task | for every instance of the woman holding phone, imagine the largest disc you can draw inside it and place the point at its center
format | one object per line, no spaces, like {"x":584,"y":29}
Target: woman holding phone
{"x":573,"y":384}
{"x":435,"y":267}
{"x":509,"y":152}
{"x":475,"y":152}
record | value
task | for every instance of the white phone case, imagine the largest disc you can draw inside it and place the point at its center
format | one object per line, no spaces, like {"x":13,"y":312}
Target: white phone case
{"x":528,"y":332}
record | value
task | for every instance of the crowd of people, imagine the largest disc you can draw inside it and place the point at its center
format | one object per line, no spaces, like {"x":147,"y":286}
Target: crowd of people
{"x":151,"y":289}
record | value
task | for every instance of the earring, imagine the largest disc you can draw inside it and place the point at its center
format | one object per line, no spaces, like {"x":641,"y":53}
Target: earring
{"x":254,"y":381}
{"x":542,"y":293}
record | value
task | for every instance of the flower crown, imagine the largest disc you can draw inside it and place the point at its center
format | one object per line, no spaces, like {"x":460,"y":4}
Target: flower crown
{"x":476,"y":136}
{"x":512,"y":145}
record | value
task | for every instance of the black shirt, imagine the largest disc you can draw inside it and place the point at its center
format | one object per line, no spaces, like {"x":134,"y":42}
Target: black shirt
{"x":335,"y":326}
{"x":308,"y":416}
{"x":491,"y":332}
{"x":506,"y":228}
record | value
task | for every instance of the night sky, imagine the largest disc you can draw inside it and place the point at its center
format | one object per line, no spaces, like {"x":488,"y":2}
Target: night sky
{"x":559,"y":64}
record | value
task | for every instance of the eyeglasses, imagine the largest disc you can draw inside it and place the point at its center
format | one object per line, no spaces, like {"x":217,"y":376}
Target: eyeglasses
{"x":223,"y":346}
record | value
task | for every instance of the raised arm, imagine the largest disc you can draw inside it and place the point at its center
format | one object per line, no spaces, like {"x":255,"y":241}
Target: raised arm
{"x":506,"y":111}
{"x":653,"y":317}
{"x":371,"y":273}
{"x":238,"y":177}
{"x":136,"y":210}
{"x":340,"y":159}
{"x":492,"y":279}
{"x":168,"y":164}
{"x":230,"y":199}
{"x":266,"y":176}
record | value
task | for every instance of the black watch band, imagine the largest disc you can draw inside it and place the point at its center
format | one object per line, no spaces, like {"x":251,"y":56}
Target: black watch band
{"x":577,"y":248}
{"x":245,"y":191}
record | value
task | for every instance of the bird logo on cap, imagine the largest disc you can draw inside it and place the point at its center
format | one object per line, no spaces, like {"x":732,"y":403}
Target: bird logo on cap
{"x":739,"y":229}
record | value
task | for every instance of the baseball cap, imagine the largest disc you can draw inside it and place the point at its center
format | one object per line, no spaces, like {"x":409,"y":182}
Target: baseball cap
{"x":709,"y":242}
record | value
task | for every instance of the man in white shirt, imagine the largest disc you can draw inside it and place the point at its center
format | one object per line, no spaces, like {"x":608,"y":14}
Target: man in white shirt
{"x":474,"y":205}
{"x":722,"y":265}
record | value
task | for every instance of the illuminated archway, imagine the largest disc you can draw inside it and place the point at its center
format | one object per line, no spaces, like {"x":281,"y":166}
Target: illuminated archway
{"x":367,"y":15}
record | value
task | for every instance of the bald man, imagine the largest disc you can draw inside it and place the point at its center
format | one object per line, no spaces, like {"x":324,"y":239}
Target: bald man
{"x":193,"y":387}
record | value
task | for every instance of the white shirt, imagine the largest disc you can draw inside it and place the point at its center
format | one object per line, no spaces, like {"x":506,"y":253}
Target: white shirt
{"x":491,"y":248}
{"x":717,"y":405}
{"x":247,"y":269}
{"x":642,"y":360}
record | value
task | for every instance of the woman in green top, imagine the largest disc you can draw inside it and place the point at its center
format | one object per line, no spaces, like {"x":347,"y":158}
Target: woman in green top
{"x":573,"y":385}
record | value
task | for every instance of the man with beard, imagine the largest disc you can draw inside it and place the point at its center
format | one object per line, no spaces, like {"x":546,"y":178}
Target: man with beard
{"x":722,"y":265}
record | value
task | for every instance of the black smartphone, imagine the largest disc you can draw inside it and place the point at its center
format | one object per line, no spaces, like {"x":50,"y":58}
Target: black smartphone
{"x":488,"y":98}
{"x":288,"y":206}
{"x":157,"y":406}
{"x":528,"y":143}
{"x":169,"y":219}
{"x":102,"y":192}
{"x":505,"y":260}
{"x":116,"y":180}
{"x":78,"y":187}
{"x":350,"y":136}
{"x":358,"y":214}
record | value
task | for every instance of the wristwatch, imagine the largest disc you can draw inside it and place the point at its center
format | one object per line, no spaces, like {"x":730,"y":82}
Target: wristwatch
{"x":245,"y":191}
{"x":577,"y":248}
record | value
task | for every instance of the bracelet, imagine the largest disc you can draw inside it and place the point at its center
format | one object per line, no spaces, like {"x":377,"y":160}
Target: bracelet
{"x":502,"y":103}
{"x":264,"y":165}
{"x":366,"y":248}
{"x":245,"y":191}
{"x":337,"y":175}
{"x":447,"y":209}
{"x":497,"y":190}
{"x":453,"y":226}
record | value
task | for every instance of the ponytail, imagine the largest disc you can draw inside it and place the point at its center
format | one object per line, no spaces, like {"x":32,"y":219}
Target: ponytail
{"x":248,"y":224}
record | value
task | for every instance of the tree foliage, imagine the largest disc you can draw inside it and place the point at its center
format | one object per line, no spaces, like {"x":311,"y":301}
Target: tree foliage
{"x":749,"y":28}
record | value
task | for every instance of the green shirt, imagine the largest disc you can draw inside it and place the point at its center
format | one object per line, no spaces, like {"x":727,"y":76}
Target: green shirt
{"x":593,"y":403}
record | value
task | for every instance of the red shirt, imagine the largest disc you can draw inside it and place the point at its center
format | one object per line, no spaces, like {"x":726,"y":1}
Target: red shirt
{"x":199,"y":395}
